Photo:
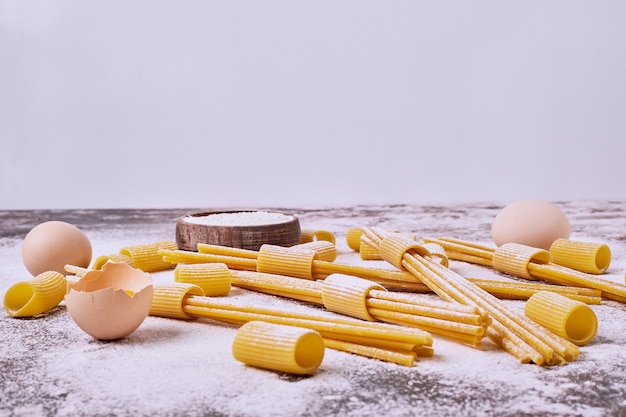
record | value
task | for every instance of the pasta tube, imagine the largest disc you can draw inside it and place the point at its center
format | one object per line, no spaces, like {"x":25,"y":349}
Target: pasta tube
{"x":146,"y":256}
{"x":347,"y":295}
{"x":35,"y":296}
{"x":279,"y":260}
{"x":213,"y":278}
{"x":99,"y":262}
{"x":308,"y":235}
{"x":589,"y":257}
{"x":276,"y":347}
{"x":568,"y":318}
{"x":513,"y":258}
{"x":326,"y":251}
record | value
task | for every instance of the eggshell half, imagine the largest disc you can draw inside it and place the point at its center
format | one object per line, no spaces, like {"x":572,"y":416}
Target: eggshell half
{"x":535,"y":223}
{"x":110,"y":303}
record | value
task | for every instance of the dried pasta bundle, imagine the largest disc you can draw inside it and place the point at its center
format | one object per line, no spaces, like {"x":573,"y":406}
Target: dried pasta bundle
{"x":213,"y":278}
{"x":567,"y":318}
{"x":519,"y":335}
{"x":364,"y":299}
{"x":309,"y":235}
{"x":535,"y":268}
{"x":589,"y":257}
{"x":35,"y":296}
{"x":183,"y":301}
{"x":276,"y":347}
{"x":146,"y":256}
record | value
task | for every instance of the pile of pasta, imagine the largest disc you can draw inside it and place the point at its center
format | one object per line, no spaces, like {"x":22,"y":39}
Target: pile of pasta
{"x":387,"y":313}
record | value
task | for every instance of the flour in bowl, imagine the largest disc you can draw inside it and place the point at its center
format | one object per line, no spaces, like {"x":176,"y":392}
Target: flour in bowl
{"x":240,"y":218}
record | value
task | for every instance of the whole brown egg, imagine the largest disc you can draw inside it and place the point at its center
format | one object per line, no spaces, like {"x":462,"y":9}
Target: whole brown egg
{"x":51,"y":245}
{"x":535,"y":223}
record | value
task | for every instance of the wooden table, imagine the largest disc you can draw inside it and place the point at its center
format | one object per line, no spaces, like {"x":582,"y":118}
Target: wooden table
{"x":49,"y":367}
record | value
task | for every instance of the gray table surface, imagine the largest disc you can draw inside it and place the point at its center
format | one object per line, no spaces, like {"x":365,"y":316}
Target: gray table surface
{"x":49,"y":367}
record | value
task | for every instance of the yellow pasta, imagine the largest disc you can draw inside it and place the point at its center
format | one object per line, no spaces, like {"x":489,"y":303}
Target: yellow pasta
{"x":346,"y":294}
{"x":289,"y":349}
{"x":535,"y":268}
{"x":567,"y":318}
{"x":213,"y":278}
{"x":169,"y":300}
{"x":369,"y":252}
{"x":516,"y":290}
{"x":178,"y":301}
{"x":353,"y":238}
{"x":513,"y":258}
{"x":437,"y":253}
{"x":589,"y":257}
{"x":99,"y":262}
{"x":517,"y":334}
{"x":308,"y":235}
{"x":146,"y":256}
{"x":326,"y":251}
{"x":295,"y":262}
{"x":35,"y":296}
{"x":405,"y":358}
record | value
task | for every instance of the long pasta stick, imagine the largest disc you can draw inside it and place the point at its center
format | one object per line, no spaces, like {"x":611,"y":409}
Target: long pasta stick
{"x":322,"y":323}
{"x":524,"y":290}
{"x":452,"y":286}
{"x":567,"y":276}
{"x":398,"y":357}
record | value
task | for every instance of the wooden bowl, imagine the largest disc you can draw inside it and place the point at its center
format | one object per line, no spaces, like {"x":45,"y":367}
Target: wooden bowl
{"x":190,"y":233}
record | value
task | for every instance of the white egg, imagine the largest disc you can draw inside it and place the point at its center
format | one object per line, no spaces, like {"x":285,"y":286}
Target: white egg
{"x":535,"y":223}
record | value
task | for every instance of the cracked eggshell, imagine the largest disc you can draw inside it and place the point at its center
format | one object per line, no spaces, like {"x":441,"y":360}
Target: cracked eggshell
{"x":110,"y":303}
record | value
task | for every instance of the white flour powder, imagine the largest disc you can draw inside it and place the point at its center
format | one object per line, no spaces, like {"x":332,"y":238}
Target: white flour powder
{"x":240,"y":218}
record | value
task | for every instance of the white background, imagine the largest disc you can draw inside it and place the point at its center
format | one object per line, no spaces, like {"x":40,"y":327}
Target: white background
{"x":306,"y":103}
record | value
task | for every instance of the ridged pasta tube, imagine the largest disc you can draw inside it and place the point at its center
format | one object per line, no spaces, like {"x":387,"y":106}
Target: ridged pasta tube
{"x":368,"y":252}
{"x":437,"y":253}
{"x":168,"y":300}
{"x":146,"y":256}
{"x":99,"y":262}
{"x":347,"y":295}
{"x":353,"y":238}
{"x":513,"y":258}
{"x":589,"y":257}
{"x":35,"y":296}
{"x":308,"y":235}
{"x":295,"y":262}
{"x":573,"y":320}
{"x":393,"y":247}
{"x":213,"y":278}
{"x":326,"y":251}
{"x":290,"y":349}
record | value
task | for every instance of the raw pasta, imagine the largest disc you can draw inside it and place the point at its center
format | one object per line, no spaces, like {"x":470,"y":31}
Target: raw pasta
{"x":589,"y":257}
{"x":146,"y":256}
{"x":567,"y":318}
{"x":213,"y":278}
{"x":35,"y":296}
{"x":290,"y":349}
{"x":307,"y":235}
